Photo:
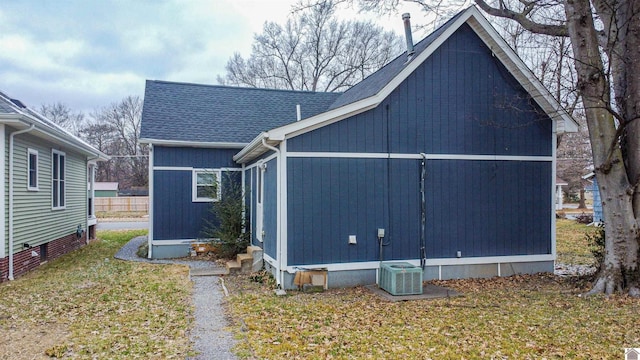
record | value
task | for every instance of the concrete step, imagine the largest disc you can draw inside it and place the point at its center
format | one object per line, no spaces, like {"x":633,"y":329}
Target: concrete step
{"x":233,"y":267}
{"x":256,"y":253}
{"x":245,"y":261}
{"x":209,"y":271}
{"x":254,"y":249}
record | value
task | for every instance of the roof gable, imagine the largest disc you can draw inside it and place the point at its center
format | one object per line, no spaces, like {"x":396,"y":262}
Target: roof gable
{"x":374,"y":89}
{"x":210,"y":114}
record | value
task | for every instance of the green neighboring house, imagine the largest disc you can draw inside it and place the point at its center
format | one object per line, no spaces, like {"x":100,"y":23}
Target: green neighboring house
{"x":48,"y":210}
{"x":106,"y":189}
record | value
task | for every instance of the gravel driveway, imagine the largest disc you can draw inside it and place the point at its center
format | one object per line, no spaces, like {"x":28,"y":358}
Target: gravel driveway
{"x":210,"y":338}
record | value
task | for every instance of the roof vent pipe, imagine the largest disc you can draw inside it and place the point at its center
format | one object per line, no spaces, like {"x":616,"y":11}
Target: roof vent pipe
{"x":406,"y":17}
{"x":298,"y":114}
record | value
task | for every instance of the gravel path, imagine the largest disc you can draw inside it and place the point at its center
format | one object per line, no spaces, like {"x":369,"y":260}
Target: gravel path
{"x":209,"y":336}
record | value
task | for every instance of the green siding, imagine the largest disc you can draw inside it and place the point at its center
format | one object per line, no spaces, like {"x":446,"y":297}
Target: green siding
{"x":35,"y":222}
{"x":106,"y":193}
{"x":5,"y":164}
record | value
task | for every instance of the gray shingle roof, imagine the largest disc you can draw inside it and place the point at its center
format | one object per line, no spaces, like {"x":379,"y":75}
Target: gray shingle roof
{"x":378,"y":80}
{"x":210,"y":113}
{"x":6,"y":106}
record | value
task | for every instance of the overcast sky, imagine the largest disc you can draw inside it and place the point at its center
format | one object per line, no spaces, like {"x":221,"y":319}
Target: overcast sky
{"x":88,"y":54}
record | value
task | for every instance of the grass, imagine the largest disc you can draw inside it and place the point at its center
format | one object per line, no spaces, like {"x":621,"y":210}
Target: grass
{"x":88,"y":305}
{"x":519,"y":317}
{"x":571,"y":244}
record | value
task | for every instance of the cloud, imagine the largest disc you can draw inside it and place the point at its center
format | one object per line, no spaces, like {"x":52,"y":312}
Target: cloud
{"x":88,"y":54}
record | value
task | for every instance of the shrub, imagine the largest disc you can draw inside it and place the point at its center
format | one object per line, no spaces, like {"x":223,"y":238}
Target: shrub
{"x":227,"y":223}
{"x":584,"y":218}
{"x":596,"y":241}
{"x":143,"y":250}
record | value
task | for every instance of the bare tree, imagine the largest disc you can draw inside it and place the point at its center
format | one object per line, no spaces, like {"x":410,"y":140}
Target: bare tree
{"x":115,"y":130}
{"x":605,"y":40}
{"x":313,"y":51}
{"x":63,"y":116}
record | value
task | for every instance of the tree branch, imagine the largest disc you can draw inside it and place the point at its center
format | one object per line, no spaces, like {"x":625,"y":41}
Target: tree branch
{"x":522,"y":19}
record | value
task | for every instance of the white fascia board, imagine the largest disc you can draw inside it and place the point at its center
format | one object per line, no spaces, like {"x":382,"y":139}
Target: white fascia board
{"x":199,"y":144}
{"x":486,"y":32}
{"x":372,"y":265}
{"x":23,"y":121}
{"x":371,"y":102}
{"x":520,"y":70}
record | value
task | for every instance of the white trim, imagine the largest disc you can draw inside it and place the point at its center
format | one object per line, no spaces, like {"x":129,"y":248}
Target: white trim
{"x":151,"y":195}
{"x":175,"y":242}
{"x":30,"y":152}
{"x":61,"y":154}
{"x":418,"y":156}
{"x":3,"y":214}
{"x":371,"y":265}
{"x":520,"y":70}
{"x":554,"y":143}
{"x":189,"y":168}
{"x":251,"y":205}
{"x":282,"y":204}
{"x":172,"y":168}
{"x":204,"y":144}
{"x":265,"y":160}
{"x":194,"y":185}
{"x":271,"y":261}
{"x":483,"y":29}
{"x":92,"y":183}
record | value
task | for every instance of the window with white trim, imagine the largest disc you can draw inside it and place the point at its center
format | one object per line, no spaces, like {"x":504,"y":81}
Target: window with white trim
{"x":206,"y":185}
{"x":32,"y":170}
{"x":58,"y":173}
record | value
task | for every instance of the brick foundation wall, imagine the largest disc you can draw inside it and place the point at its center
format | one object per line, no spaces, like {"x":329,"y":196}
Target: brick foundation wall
{"x":24,"y":261}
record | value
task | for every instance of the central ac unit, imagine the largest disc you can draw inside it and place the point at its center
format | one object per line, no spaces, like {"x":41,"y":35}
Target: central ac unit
{"x":401,"y":278}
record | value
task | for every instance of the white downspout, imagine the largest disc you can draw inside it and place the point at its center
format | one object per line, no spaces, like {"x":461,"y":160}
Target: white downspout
{"x":278,"y":231}
{"x":13,"y":134}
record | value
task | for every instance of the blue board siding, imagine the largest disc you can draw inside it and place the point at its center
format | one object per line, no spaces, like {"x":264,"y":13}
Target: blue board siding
{"x":481,"y":208}
{"x":194,"y":157}
{"x":175,"y":216}
{"x":186,"y":219}
{"x":597,"y":203}
{"x":330,"y":199}
{"x":270,"y":209}
{"x":459,"y":101}
{"x":488,"y":208}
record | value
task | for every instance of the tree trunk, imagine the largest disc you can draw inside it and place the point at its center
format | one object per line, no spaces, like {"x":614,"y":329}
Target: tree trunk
{"x":581,"y":204}
{"x":619,"y":270}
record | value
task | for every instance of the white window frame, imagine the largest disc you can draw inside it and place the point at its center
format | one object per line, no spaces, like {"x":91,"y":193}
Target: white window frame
{"x":194,"y":185}
{"x":37,"y":175}
{"x":60,"y":182}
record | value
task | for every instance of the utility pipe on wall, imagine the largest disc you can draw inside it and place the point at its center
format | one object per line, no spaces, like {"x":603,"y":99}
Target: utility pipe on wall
{"x":11,"y":137}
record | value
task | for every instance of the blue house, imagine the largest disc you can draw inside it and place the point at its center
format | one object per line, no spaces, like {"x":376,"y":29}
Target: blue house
{"x":444,"y":158}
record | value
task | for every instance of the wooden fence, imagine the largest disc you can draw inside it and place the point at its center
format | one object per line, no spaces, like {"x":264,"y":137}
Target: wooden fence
{"x":122,"y":203}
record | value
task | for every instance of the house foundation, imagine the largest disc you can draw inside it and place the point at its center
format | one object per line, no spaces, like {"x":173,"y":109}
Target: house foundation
{"x":29,"y":259}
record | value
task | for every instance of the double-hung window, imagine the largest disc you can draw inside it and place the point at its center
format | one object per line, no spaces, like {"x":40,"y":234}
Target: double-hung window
{"x":58,"y":173}
{"x":206,"y":185}
{"x":32,"y":170}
